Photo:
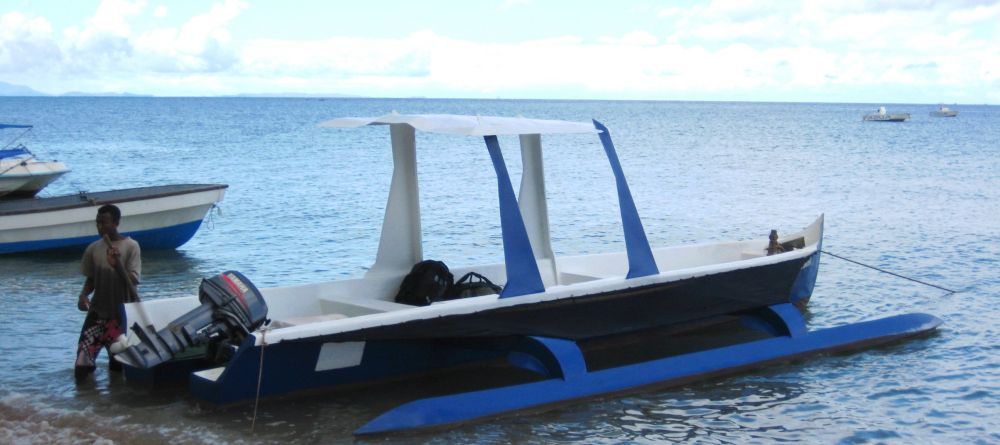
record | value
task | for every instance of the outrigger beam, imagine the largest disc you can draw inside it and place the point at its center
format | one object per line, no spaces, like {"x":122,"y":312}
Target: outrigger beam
{"x":564,"y":366}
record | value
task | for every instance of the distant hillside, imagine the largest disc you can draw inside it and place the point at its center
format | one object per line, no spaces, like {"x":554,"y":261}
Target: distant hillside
{"x":303,"y":95}
{"x":79,"y":94}
{"x":9,"y":89}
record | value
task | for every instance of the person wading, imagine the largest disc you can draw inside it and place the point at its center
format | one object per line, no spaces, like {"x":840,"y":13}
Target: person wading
{"x":112,"y":266}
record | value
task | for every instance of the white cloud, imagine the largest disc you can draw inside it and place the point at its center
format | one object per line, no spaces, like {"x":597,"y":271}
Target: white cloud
{"x":719,"y":48}
{"x":640,"y":38}
{"x":26,"y":44}
{"x":340,"y":57}
{"x":104,"y":41}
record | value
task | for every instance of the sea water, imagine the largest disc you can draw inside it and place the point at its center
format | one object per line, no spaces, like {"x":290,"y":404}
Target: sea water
{"x":305,"y":203}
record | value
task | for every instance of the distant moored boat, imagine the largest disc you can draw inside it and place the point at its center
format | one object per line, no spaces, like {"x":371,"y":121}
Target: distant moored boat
{"x":880,"y":115}
{"x":944,"y":111}
{"x":21,"y":174}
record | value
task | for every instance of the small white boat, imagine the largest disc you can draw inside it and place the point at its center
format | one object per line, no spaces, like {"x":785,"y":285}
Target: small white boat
{"x":158,"y":217}
{"x":21,"y":174}
{"x":880,"y":115}
{"x":944,"y":111}
{"x":542,"y":321}
{"x":11,"y":183}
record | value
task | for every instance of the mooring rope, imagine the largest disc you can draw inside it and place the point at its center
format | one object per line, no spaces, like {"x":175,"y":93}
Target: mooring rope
{"x":260,"y":375}
{"x":891,"y":273}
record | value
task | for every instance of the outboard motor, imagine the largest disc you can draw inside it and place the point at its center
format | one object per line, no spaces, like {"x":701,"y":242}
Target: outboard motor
{"x":231,"y":308}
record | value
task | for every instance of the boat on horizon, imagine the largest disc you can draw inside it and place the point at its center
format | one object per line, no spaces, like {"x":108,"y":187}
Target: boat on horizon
{"x":22,"y":175}
{"x":944,"y":111}
{"x":157,"y":217}
{"x":880,"y":115}
{"x":544,"y":322}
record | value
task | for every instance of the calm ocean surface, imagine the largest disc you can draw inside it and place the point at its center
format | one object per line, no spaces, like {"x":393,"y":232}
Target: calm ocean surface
{"x":920,"y":198}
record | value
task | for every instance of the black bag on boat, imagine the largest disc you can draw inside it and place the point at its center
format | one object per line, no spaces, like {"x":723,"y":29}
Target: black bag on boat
{"x":427,"y":282}
{"x":473,"y":284}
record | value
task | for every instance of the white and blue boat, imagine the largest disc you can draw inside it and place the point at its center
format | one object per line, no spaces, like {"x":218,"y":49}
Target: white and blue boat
{"x":157,"y":217}
{"x":22,"y":175}
{"x":567,"y":326}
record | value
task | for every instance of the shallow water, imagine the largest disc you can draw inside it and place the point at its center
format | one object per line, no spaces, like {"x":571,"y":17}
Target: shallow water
{"x":921,"y":199}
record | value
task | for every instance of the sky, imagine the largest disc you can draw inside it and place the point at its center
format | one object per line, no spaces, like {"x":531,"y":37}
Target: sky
{"x":878,"y":51}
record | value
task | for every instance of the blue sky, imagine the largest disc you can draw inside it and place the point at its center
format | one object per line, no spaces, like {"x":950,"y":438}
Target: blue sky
{"x":881,"y":51}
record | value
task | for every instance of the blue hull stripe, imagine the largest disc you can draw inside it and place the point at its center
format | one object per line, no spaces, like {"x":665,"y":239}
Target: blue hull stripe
{"x":161,"y":238}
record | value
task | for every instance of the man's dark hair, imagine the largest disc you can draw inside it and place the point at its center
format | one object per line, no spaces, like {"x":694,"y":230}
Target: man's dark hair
{"x":116,"y":213}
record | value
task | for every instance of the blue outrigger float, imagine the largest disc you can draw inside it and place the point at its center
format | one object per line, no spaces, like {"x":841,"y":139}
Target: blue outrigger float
{"x":568,"y":327}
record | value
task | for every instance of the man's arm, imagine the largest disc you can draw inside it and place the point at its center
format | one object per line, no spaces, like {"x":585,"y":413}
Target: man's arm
{"x":83,"y":303}
{"x":134,"y":264}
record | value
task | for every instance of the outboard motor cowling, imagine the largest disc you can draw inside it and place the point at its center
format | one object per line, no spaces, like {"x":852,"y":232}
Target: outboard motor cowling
{"x":231,"y":308}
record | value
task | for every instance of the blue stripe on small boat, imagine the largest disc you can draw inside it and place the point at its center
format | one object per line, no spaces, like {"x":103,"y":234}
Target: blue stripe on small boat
{"x":153,"y":239}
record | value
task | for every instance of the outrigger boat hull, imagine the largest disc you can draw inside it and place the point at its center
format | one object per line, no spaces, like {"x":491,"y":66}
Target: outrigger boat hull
{"x":546,"y":320}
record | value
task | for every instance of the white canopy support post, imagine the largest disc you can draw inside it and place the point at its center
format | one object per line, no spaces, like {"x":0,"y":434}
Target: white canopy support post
{"x":531,"y":200}
{"x":400,"y":246}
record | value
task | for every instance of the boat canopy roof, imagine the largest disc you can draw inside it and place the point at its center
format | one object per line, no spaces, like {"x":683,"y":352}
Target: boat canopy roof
{"x":3,"y":126}
{"x":468,"y":125}
{"x":14,"y":152}
{"x":524,"y":223}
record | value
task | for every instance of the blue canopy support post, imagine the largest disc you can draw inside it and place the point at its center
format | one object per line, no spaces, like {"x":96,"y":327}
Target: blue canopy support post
{"x":522,"y":270}
{"x":640,"y":257}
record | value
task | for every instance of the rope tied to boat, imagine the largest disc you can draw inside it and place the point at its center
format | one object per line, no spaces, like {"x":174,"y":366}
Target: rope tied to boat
{"x":950,"y":291}
{"x":260,"y":377}
{"x":210,"y":216}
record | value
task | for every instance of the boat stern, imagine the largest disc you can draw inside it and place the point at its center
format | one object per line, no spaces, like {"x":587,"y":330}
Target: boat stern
{"x":802,"y":287}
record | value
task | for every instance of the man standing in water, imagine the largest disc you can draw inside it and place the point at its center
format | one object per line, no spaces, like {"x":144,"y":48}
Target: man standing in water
{"x":112,"y":266}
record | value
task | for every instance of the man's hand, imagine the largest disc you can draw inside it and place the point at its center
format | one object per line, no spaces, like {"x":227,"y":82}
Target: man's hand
{"x":83,"y":304}
{"x":113,"y":255}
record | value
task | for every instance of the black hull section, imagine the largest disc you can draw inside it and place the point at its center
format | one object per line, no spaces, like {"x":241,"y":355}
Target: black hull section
{"x":608,"y":313}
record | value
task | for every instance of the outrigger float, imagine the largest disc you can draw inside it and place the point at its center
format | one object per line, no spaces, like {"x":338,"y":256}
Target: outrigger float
{"x":571,"y":327}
